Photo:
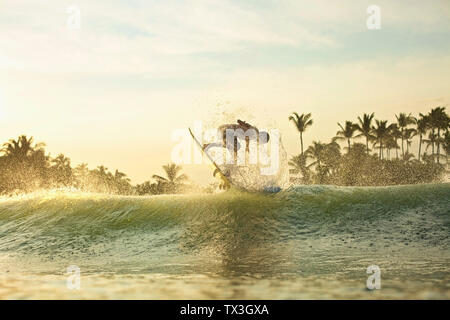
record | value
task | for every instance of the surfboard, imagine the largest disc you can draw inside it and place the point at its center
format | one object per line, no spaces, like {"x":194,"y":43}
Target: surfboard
{"x":226,"y":183}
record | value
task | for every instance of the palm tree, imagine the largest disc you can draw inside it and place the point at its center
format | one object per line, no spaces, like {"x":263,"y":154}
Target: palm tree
{"x":102,"y":171}
{"x":61,"y":161}
{"x":446,"y":145}
{"x":440,"y":120}
{"x":121,"y":182}
{"x":381,"y":132}
{"x":421,"y":129}
{"x":82,"y":170}
{"x":62,"y":171}
{"x":82,"y":175}
{"x":173,"y":179}
{"x":298,"y":164}
{"x":318,"y":153}
{"x":346,"y":133}
{"x":21,"y":148}
{"x":391,"y":143}
{"x":403,"y":121}
{"x":103,"y":179}
{"x":332,"y":157}
{"x":433,"y":119}
{"x":119,"y":175}
{"x":325,"y":158}
{"x":301,"y":122}
{"x":365,"y":128}
{"x":315,"y":152}
{"x":120,"y":178}
{"x":409,"y":134}
{"x":432,"y":137}
{"x":396,"y":134}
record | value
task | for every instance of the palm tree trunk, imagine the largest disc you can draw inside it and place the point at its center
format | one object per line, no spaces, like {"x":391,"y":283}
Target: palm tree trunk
{"x":420,"y":146}
{"x":403,"y":151}
{"x":446,"y":161}
{"x":381,"y":150}
{"x":348,"y":141}
{"x":438,"y":145}
{"x":367,"y":145}
{"x":301,"y":141}
{"x":432,"y":145}
{"x":396,"y":149}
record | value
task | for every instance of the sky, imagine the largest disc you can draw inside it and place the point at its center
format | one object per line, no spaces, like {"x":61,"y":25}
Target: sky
{"x":113,"y":91}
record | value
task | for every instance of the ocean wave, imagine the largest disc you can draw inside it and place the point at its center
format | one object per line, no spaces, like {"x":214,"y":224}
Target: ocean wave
{"x":62,"y":224}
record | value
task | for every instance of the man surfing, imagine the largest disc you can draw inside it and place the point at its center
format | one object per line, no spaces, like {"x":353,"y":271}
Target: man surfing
{"x":229,"y":135}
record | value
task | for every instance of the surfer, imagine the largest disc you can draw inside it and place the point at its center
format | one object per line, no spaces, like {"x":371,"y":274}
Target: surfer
{"x":230,"y":133}
{"x":230,"y":137}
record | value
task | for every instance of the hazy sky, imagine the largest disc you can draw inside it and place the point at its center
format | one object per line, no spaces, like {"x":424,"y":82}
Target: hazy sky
{"x":113,"y":91}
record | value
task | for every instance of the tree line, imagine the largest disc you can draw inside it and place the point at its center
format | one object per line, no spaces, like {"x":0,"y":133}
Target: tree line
{"x":25,"y":167}
{"x":376,"y":152}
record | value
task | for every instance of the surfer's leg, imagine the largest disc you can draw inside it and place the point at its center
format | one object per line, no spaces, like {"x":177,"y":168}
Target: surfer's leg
{"x":233,"y":148}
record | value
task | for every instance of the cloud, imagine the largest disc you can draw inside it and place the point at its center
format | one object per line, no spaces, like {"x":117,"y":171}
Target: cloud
{"x":156,"y":37}
{"x":166,"y":38}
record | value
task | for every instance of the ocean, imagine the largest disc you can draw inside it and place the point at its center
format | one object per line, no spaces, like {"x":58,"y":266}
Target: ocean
{"x":305,"y":242}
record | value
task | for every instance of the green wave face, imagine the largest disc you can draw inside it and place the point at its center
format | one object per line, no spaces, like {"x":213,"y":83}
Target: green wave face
{"x":297,"y":230}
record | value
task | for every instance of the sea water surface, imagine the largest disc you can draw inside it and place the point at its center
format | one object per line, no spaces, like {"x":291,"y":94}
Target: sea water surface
{"x":306,"y":242}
